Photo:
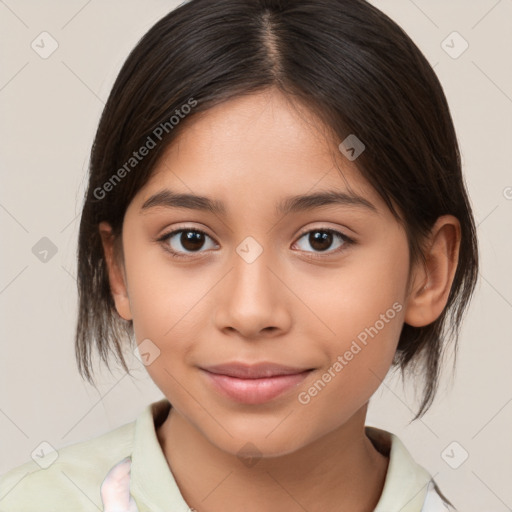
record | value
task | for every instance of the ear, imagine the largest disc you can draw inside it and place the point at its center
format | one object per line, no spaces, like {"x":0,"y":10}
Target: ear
{"x":432,"y":284}
{"x":116,"y":274}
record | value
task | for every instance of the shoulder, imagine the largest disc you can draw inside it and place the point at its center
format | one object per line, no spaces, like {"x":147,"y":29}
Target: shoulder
{"x":68,"y":478}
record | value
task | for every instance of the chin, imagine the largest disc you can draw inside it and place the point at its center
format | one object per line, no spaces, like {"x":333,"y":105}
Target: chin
{"x":254,"y":443}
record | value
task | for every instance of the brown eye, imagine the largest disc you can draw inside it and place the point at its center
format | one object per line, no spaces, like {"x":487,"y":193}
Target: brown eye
{"x":321,"y":240}
{"x":191,"y":240}
{"x":181,"y":242}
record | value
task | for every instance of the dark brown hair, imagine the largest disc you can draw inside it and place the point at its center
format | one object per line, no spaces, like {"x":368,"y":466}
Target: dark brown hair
{"x":352,"y":66}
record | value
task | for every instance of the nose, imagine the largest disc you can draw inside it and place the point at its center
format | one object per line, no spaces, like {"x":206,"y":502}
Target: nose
{"x":253,"y":301}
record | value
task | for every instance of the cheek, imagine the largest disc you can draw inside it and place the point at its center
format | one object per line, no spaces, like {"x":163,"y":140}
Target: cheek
{"x":351,"y":298}
{"x":164,"y":302}
{"x":362,"y":305}
{"x":357,"y":362}
{"x":163,"y":296}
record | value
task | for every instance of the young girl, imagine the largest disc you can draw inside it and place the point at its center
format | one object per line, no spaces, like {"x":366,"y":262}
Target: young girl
{"x":275,"y":217}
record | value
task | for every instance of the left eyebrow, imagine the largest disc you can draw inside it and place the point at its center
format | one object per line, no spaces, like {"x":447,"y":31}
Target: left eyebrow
{"x":324,"y":198}
{"x":170,"y":199}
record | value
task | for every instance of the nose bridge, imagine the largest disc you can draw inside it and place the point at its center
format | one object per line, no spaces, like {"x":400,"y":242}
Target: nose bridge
{"x":252,"y":299}
{"x":252,"y":278}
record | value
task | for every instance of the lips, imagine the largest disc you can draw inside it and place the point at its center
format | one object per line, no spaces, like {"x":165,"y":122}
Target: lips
{"x":253,"y":371}
{"x":254,"y":384}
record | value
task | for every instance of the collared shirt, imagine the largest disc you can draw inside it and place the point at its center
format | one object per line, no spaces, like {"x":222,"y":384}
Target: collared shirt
{"x":125,"y":470}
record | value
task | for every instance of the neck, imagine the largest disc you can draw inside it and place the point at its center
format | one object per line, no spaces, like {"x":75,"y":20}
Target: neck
{"x":339,"y":471}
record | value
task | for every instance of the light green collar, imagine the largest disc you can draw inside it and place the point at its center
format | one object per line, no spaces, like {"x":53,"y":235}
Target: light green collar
{"x":155,"y":490}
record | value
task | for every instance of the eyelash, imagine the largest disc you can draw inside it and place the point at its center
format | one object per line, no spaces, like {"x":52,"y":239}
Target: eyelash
{"x":347,"y":241}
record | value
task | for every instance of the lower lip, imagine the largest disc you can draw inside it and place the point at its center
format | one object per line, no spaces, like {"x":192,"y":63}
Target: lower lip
{"x":255,"y":391}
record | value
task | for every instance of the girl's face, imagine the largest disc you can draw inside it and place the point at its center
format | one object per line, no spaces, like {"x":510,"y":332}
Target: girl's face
{"x":313,"y":285}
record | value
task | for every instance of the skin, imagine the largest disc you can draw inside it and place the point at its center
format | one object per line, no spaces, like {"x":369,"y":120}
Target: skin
{"x":283,"y":307}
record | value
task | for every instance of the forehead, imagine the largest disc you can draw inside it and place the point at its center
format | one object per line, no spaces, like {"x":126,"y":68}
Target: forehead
{"x":258,"y":147}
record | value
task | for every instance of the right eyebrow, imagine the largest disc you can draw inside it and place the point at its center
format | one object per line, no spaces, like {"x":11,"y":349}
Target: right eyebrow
{"x":169,"y":199}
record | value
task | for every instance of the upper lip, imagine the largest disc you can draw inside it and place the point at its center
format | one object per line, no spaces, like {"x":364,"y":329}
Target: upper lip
{"x":253,"y":371}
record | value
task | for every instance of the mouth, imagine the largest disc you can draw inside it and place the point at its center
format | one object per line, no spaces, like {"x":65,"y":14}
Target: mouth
{"x":254,"y":384}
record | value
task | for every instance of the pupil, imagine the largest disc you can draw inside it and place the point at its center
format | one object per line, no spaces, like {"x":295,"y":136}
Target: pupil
{"x":191,"y":240}
{"x":318,"y":240}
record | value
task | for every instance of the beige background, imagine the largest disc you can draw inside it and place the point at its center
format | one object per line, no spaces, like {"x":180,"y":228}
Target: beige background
{"x":49,"y":111}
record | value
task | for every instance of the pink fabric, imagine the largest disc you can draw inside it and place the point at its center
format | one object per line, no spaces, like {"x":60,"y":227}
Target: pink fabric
{"x":115,"y":489}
